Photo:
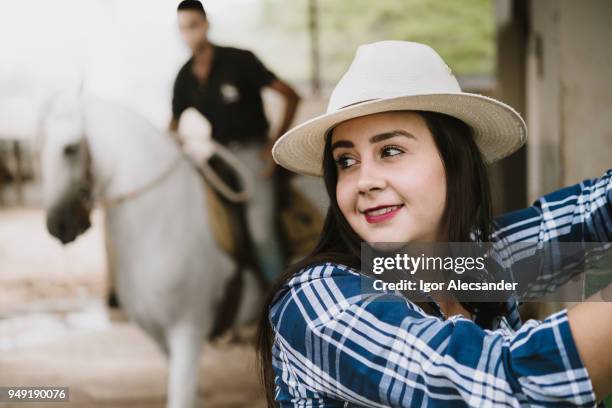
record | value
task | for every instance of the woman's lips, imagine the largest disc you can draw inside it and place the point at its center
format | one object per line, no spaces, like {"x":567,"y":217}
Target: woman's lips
{"x":380,"y":214}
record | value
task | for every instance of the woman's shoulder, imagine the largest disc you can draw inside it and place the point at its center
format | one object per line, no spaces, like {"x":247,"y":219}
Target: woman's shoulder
{"x":330,"y":274}
{"x":323,"y":271}
{"x":321,"y":292}
{"x":333,"y":283}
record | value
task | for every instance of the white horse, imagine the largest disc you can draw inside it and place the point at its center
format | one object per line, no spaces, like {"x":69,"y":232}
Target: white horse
{"x":170,"y":274}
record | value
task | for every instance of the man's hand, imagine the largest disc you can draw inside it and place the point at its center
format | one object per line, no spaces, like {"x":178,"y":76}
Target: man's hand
{"x":173,"y":125}
{"x":173,"y":131}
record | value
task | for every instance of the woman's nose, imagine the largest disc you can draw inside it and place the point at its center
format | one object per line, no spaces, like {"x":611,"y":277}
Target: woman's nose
{"x":369,"y":179}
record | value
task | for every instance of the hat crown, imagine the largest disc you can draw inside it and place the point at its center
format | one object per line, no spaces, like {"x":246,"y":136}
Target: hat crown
{"x":389,"y":69}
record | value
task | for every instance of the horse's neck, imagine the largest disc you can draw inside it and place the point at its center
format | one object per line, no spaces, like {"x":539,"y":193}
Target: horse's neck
{"x":128,"y":152}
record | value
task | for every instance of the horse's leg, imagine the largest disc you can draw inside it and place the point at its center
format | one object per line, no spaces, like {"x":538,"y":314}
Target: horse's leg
{"x":158,"y":335}
{"x":184,"y":342}
{"x":111,"y":295}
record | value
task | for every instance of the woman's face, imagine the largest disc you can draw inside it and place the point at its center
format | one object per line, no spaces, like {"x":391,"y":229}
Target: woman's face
{"x":391,"y":179}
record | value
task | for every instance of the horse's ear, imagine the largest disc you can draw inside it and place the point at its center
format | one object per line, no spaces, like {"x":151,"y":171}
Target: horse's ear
{"x":72,"y":94}
{"x":75,"y":92}
{"x":68,"y":98}
{"x":81,"y":87}
{"x":43,"y":114}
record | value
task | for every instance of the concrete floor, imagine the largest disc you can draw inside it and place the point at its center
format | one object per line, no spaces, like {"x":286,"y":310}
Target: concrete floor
{"x":56,"y":331}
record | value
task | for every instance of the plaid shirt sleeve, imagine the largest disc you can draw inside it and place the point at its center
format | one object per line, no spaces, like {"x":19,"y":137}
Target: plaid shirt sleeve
{"x":582,"y":212}
{"x":579,"y":213}
{"x":334,"y":345}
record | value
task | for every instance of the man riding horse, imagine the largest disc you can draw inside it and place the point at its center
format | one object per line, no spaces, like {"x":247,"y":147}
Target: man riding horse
{"x":224,"y":84}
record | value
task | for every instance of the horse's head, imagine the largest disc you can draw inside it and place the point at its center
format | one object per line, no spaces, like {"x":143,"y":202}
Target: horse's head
{"x":66,"y":168}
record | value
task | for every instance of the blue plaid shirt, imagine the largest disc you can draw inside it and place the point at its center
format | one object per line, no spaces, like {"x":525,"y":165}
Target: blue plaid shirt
{"x":338,"y":347}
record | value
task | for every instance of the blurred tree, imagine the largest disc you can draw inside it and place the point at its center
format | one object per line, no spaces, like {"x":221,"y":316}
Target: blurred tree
{"x":461,"y":31}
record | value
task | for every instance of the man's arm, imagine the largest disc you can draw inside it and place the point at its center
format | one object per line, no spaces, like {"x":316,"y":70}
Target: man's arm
{"x":179,"y":104}
{"x":292,"y":100}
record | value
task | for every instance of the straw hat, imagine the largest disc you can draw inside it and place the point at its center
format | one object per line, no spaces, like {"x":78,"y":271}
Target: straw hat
{"x":399,"y":75}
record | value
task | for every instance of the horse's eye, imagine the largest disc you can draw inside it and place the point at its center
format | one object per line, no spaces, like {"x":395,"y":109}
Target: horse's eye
{"x":71,"y":150}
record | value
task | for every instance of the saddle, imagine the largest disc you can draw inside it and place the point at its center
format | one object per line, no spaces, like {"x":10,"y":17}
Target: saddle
{"x":300,"y":220}
{"x":226,"y":217}
{"x":300,"y":225}
{"x":226,"y":183}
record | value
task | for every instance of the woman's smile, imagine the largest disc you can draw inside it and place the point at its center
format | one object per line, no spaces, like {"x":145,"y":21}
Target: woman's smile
{"x":381,"y":213}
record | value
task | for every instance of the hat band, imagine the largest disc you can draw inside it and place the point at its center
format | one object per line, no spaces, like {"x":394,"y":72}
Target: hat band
{"x":356,"y":103}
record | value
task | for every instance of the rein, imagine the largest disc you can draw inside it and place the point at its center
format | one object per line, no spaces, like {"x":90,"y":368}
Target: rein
{"x":210,"y":176}
{"x":121,"y":198}
{"x":219,"y":185}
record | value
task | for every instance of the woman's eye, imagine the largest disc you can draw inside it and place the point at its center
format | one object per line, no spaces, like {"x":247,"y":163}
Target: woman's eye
{"x":345,"y":162}
{"x":391,"y":151}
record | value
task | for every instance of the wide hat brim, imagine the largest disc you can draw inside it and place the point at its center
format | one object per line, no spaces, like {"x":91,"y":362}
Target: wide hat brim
{"x":498,"y":129}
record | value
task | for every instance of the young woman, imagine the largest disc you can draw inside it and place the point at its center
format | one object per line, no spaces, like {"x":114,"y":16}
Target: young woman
{"x":402,"y":151}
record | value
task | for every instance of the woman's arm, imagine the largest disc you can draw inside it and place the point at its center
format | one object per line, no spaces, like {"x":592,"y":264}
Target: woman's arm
{"x":582,"y":212}
{"x":334,"y":342}
{"x":544,"y":244}
{"x":591,"y":324}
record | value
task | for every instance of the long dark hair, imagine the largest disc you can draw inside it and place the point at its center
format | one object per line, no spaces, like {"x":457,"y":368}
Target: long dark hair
{"x":467,"y":212}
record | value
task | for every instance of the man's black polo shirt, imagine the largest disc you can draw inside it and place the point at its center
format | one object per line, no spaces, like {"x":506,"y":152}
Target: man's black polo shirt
{"x":230,"y":99}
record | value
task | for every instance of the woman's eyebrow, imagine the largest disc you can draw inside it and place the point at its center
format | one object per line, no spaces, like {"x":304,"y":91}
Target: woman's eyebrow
{"x":388,"y":135}
{"x":375,"y":138}
{"x":341,"y":143}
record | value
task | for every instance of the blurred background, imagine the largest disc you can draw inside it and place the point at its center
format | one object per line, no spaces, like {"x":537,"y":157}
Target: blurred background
{"x":549,"y":59}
